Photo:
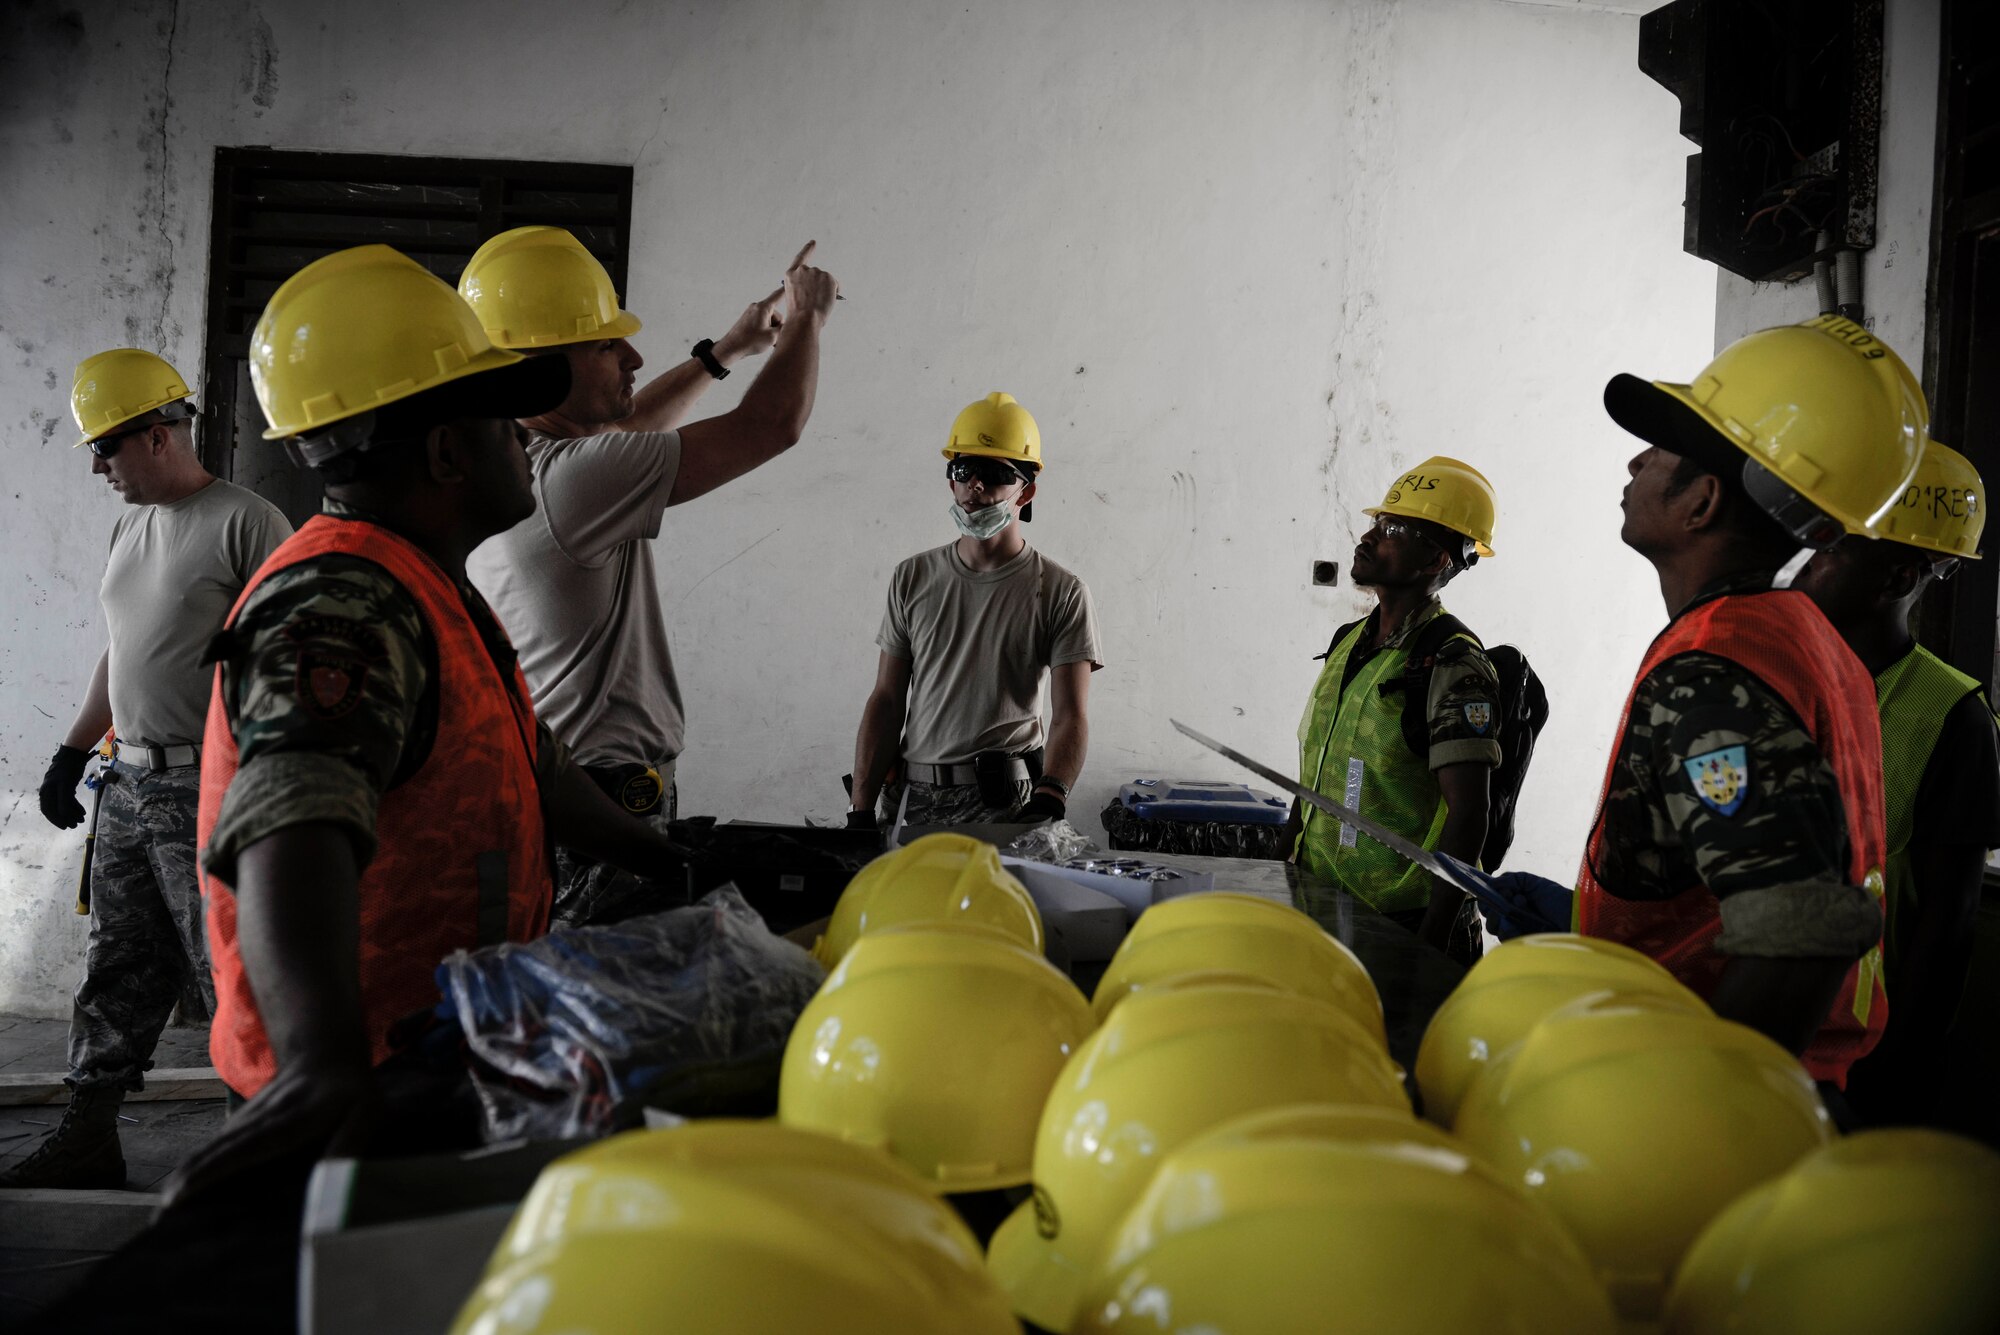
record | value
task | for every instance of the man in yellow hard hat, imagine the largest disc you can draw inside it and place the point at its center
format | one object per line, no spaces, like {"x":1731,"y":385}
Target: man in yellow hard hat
{"x":1941,"y":773}
{"x":376,"y":789}
{"x":1431,"y":783}
{"x":1740,"y":836}
{"x":575,"y":584}
{"x":952,"y":732}
{"x":180,"y":554}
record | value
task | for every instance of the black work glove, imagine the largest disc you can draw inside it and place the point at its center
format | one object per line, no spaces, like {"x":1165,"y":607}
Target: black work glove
{"x":59,"y":802}
{"x":861,"y":820}
{"x":1042,"y":805}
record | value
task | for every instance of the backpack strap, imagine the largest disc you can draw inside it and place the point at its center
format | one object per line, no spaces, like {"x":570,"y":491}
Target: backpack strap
{"x":1431,"y":647}
{"x":1334,"y":643}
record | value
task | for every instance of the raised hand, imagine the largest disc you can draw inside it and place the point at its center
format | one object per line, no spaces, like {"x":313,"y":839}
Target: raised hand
{"x":809,"y":291}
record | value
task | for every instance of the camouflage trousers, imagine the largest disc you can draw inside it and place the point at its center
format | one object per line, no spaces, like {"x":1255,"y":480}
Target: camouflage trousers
{"x":944,"y":804}
{"x":148,"y":950}
{"x":585,"y":888}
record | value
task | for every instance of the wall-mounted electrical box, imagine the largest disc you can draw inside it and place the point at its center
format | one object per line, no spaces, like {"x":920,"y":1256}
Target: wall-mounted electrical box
{"x":1784,"y":98}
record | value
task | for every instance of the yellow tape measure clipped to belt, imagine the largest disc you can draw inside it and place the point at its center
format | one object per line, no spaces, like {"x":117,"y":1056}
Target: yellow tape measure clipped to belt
{"x":641,"y":792}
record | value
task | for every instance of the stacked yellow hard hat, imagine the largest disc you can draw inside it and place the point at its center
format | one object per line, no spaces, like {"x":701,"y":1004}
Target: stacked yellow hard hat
{"x":116,"y":387}
{"x":1513,"y":989}
{"x":366,"y":328}
{"x":1246,"y":935}
{"x":1448,"y":492}
{"x":1943,"y":509}
{"x":937,"y":1043}
{"x":1635,"y":1119}
{"x":938,"y":878}
{"x":997,"y":427}
{"x":1830,"y":416}
{"x":1886,"y":1230}
{"x":732,"y":1226}
{"x":1167,"y":1064}
{"x":1320,"y":1218}
{"x":537,"y":287}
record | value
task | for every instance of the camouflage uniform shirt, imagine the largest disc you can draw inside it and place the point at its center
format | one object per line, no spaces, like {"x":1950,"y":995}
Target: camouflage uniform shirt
{"x":302,"y":759}
{"x":1778,"y":862}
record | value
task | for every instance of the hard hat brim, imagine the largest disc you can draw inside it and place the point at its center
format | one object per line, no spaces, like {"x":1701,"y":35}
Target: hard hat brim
{"x":624,"y":325}
{"x":1043,"y":1287}
{"x":1657,"y":414}
{"x":151,"y":407}
{"x":507,"y":386}
{"x":1485,"y":552}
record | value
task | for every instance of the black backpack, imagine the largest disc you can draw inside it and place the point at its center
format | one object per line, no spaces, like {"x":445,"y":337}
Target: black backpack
{"x":1523,"y":709}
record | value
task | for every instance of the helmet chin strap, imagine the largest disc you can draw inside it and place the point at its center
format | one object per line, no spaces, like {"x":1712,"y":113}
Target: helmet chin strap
{"x":1790,"y":570}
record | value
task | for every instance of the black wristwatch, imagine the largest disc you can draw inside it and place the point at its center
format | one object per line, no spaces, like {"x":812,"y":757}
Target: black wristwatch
{"x":704,"y":352}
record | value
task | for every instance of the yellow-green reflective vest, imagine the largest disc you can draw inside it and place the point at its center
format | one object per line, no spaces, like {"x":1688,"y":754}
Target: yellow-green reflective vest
{"x":1351,"y":748}
{"x":1913,"y":694}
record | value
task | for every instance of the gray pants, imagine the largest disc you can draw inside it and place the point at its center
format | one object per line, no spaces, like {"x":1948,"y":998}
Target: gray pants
{"x":945,"y":804}
{"x":148,"y":947}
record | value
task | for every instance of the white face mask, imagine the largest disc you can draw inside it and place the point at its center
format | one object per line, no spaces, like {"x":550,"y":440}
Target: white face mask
{"x":982,"y":524}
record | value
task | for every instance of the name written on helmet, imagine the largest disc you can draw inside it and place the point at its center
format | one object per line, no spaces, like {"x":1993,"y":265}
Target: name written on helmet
{"x":1411,"y":482}
{"x":1940,"y":502}
{"x":1850,"y":333}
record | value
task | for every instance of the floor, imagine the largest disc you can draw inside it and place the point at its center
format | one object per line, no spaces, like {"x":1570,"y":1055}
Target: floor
{"x":156,"y":1136}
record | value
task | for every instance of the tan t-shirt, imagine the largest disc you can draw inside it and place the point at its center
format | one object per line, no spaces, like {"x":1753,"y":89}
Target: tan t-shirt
{"x":978,"y":644}
{"x":574,"y":586}
{"x":174,"y":573}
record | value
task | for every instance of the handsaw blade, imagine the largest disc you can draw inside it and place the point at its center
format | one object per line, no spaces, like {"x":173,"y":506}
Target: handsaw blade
{"x":1388,"y":838}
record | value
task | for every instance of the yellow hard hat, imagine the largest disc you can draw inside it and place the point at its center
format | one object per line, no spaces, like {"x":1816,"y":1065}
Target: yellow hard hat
{"x":1448,"y":492}
{"x":1636,"y":1119}
{"x":1943,"y":509}
{"x":938,"y":878}
{"x":937,"y":1043}
{"x":1886,"y":1230}
{"x":367,"y":327}
{"x":1311,"y":1219}
{"x":111,"y":388}
{"x":1829,"y":411}
{"x":727,"y":1225}
{"x":1285,"y":947}
{"x":537,"y":287}
{"x":998,"y":427}
{"x":1512,"y":990}
{"x":1168,"y":1064}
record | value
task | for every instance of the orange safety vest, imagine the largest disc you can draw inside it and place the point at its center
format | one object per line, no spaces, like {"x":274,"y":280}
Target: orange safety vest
{"x":461,"y":860}
{"x":1784,"y":640}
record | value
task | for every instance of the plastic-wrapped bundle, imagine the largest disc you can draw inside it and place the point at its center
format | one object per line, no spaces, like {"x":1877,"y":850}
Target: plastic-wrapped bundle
{"x":1127,"y":831}
{"x":1056,"y":841}
{"x":564,"y":1031}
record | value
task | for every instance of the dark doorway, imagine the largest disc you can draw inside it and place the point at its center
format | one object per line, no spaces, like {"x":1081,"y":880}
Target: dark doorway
{"x":274,"y":213}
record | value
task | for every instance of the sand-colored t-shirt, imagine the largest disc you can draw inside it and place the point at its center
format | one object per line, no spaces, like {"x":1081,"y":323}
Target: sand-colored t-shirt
{"x":979,"y":643}
{"x":574,"y":586}
{"x":174,"y":573}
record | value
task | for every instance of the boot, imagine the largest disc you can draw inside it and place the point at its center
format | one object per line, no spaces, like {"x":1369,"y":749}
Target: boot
{"x":82,"y":1151}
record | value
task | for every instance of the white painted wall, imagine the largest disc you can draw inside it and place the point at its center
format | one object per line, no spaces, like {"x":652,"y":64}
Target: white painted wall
{"x":1895,"y":275}
{"x":1244,"y":261}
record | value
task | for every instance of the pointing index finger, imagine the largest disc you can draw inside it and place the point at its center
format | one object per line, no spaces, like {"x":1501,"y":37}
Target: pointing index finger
{"x":801,"y":259}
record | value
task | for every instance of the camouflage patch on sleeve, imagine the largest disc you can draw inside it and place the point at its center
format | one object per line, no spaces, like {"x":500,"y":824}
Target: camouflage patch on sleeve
{"x":1464,"y":707}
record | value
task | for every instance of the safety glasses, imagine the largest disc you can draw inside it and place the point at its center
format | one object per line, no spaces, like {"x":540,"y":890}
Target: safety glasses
{"x":104,"y":447}
{"x":965,"y":469}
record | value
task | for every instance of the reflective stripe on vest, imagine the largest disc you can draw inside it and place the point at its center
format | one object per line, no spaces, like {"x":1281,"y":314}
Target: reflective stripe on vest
{"x":461,"y":856}
{"x":1351,"y":748}
{"x":1783,"y":640}
{"x":1914,"y":694}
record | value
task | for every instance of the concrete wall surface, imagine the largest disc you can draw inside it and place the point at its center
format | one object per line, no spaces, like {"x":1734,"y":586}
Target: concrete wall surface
{"x":1245,"y":262}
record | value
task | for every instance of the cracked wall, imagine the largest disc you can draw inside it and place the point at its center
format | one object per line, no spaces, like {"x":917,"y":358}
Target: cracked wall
{"x":1244,"y":262}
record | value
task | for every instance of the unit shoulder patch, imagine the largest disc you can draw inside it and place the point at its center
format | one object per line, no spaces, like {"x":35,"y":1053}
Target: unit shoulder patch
{"x":1479,"y":716}
{"x":1721,"y":778}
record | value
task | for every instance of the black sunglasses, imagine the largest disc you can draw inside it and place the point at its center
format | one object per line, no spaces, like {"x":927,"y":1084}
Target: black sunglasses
{"x":104,"y":447}
{"x":966,"y":469}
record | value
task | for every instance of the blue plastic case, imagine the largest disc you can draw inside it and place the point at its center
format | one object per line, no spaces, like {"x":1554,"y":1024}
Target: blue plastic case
{"x":1202,"y":800}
